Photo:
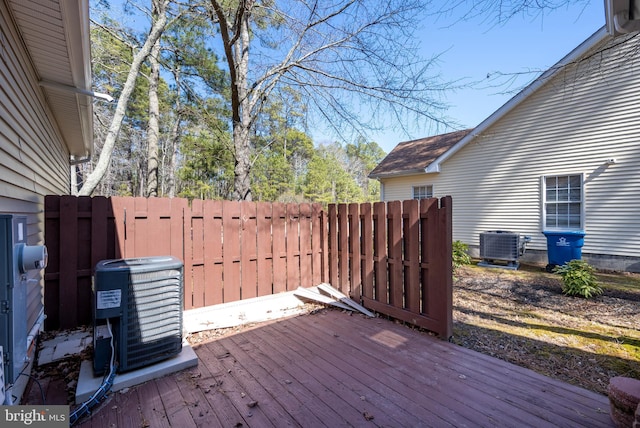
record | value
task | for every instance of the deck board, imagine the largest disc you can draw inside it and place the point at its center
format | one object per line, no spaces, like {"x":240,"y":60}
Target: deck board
{"x":359,"y":380}
{"x":211,"y":384}
{"x":248,"y":352}
{"x":147,"y":397}
{"x":468,"y":382}
{"x":304,"y":381}
{"x":334,"y":369}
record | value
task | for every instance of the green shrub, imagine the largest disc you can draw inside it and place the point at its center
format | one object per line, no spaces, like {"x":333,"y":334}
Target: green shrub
{"x":460,"y":254}
{"x":578,"y":279}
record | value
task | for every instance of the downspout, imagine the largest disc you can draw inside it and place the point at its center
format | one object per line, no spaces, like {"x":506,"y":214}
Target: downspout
{"x":61,"y":87}
{"x":73,"y":161}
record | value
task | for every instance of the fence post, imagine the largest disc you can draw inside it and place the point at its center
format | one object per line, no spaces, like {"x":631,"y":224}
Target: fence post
{"x":318,"y":243}
{"x":293,"y":246}
{"x":445,"y":294}
{"x":231,"y":250}
{"x":380,"y":262}
{"x":279,"y":219}
{"x":265,"y":250}
{"x":343,"y":249}
{"x":367,"y":256}
{"x":194,"y":255}
{"x":69,"y":263}
{"x":212,"y":216}
{"x":333,"y":245}
{"x":355,"y":273}
{"x":394,"y":231}
{"x":52,"y":271}
{"x":306,"y":249}
{"x":249,"y":249}
{"x":411,"y":266}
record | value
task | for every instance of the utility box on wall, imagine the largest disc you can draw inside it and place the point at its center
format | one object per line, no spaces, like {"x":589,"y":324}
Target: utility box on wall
{"x":16,"y":259}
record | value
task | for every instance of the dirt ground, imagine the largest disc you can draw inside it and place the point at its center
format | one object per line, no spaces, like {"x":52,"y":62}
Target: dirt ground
{"x":523,"y":317}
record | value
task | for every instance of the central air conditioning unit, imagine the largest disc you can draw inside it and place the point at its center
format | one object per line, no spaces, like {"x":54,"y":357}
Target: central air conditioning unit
{"x":502,"y":246}
{"x":142,"y":298}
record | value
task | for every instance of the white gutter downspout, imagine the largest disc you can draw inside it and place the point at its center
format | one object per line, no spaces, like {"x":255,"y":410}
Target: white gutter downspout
{"x":622,"y":16}
{"x":583,"y":48}
{"x":61,"y":87}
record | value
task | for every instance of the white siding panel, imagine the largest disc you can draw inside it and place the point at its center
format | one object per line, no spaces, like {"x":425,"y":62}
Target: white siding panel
{"x":571,"y":125}
{"x":401,"y":188}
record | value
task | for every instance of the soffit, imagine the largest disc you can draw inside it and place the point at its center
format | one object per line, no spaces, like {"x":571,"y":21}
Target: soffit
{"x":56,"y":36}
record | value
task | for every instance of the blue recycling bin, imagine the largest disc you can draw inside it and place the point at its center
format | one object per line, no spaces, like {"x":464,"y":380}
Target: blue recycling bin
{"x":563,"y":246}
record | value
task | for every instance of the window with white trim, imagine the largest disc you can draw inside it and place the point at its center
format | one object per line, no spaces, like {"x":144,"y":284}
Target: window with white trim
{"x":422,"y":192}
{"x":563,"y":202}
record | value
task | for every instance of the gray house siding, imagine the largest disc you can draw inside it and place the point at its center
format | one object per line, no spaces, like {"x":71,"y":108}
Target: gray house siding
{"x":34,"y":160}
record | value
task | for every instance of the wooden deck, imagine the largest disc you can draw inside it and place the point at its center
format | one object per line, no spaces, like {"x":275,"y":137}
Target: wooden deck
{"x":335,"y":369}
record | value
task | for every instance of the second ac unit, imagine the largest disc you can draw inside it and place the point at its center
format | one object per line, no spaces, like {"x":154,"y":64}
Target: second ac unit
{"x":502,"y":246}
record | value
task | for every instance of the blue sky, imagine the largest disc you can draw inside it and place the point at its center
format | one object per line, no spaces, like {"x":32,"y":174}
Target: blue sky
{"x":473,"y":49}
{"x":524,"y":46}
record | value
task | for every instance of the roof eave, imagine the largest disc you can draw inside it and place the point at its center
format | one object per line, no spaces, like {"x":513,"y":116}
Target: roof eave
{"x":75,"y":16}
{"x":396,"y":174}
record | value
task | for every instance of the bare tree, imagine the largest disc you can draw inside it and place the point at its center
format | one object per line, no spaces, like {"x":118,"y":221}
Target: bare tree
{"x":354,"y":61}
{"x":171,"y":150}
{"x":497,"y":12}
{"x":159,"y":24}
{"x":153,"y":128}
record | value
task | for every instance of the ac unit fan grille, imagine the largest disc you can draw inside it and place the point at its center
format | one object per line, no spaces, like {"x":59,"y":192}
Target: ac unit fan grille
{"x":499,"y":246}
{"x":154,"y":317}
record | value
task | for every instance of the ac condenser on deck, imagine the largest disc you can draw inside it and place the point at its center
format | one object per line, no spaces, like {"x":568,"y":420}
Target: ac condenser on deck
{"x":143,"y":299}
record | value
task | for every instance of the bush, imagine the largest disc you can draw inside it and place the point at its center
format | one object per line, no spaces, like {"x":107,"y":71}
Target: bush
{"x":460,"y":254}
{"x":578,"y":279}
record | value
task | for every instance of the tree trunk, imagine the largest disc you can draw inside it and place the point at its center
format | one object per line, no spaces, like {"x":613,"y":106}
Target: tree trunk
{"x":153,"y":132}
{"x":157,"y":29}
{"x":241,"y":127}
{"x":174,"y":137}
{"x":236,"y":49}
{"x":242,"y":169}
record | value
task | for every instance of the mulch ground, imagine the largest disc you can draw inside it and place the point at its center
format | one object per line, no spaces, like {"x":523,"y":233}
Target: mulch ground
{"x":523,"y":317}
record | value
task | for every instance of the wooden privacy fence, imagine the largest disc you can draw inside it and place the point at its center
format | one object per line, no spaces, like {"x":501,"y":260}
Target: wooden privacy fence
{"x":396,"y":258}
{"x":393,"y":257}
{"x":231,"y":250}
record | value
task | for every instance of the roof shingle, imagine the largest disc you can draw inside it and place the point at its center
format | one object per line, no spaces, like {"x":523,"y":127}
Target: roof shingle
{"x":414,"y":156}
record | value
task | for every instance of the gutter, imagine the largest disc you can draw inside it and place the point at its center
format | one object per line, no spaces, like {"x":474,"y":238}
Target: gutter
{"x":622,"y":16}
{"x":396,"y":174}
{"x":578,"y":52}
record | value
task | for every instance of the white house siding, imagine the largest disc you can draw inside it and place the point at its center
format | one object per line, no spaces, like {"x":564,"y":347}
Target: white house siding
{"x":575,"y":122}
{"x":33,"y":159}
{"x":401,"y":188}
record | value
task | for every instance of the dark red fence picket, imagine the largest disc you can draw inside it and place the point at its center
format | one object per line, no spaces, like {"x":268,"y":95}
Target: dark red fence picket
{"x":393,"y":257}
{"x":231,"y":250}
{"x":396,"y":259}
